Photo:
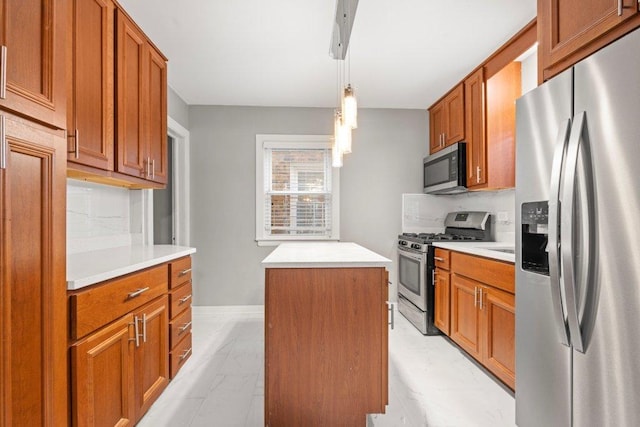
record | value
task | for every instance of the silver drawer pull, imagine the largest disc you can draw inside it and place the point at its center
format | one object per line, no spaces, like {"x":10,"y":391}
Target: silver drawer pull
{"x":184,"y":299}
{"x":184,"y":328}
{"x":3,"y":72}
{"x":138,"y":292}
{"x":185,"y":354}
{"x":184,"y":272}
{"x":438,"y":259}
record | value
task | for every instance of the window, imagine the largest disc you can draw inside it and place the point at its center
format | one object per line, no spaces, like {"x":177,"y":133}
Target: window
{"x":297,"y":190}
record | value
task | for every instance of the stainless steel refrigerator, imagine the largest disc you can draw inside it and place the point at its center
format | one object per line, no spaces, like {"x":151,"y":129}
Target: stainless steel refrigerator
{"x":578,"y":244}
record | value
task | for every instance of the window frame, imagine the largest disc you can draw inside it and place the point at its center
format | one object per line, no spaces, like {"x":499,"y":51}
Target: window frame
{"x":292,"y":142}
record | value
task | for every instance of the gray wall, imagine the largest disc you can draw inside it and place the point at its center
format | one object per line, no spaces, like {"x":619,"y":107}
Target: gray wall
{"x":178,"y":110}
{"x":386,"y":161}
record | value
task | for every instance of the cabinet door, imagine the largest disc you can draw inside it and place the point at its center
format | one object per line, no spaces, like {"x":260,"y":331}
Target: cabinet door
{"x":156,"y":117}
{"x":465,"y":314}
{"x":474,"y":106}
{"x":498,"y":311}
{"x":152,"y":354}
{"x":436,"y":130}
{"x":567,"y":26}
{"x":102,"y":377}
{"x":33,"y":315}
{"x":91,"y":104}
{"x":131,"y":158}
{"x":442,"y":301}
{"x":33,"y":33}
{"x":454,"y":116}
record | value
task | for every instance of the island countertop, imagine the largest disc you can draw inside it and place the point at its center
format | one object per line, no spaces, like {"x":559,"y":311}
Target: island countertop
{"x":323,"y":255}
{"x":88,"y":268}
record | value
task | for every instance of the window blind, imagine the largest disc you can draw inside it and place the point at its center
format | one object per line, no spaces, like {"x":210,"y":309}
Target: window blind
{"x":297,"y":190}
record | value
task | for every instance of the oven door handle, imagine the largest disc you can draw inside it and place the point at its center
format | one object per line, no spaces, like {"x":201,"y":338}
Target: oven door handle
{"x":418,"y":256}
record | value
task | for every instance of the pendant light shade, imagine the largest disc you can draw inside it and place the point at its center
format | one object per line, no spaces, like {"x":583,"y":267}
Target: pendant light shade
{"x":350,"y":108}
{"x":336,"y":152}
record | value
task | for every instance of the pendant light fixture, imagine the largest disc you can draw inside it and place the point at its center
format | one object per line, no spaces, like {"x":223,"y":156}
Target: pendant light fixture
{"x":346,"y":117}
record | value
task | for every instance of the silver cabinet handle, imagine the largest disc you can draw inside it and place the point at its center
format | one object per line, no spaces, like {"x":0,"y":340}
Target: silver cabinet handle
{"x":437,"y":258}
{"x":185,"y":354}
{"x":390,"y":309}
{"x":3,"y":143}
{"x":183,"y":272}
{"x":144,"y":327}
{"x":444,"y":139}
{"x":3,"y":72}
{"x":477,"y":174}
{"x":137,"y":292}
{"x":153,"y":169}
{"x":554,"y":230}
{"x":480,"y":298}
{"x":184,"y":299}
{"x":620,"y":7}
{"x":475,"y":296}
{"x":184,"y":328}
{"x":136,"y":331}
{"x":76,"y":144}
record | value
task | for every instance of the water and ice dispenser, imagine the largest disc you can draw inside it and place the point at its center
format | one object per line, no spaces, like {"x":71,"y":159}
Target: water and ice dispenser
{"x":535,"y":236}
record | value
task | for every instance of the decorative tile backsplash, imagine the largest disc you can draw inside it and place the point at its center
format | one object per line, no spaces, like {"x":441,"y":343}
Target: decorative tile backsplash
{"x":426,"y":212}
{"x":98,"y":216}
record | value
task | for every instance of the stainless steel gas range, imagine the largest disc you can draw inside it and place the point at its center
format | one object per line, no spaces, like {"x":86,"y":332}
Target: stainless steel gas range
{"x":416,"y":264}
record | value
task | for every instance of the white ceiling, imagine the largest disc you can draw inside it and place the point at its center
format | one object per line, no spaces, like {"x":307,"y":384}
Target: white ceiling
{"x":404,"y":53}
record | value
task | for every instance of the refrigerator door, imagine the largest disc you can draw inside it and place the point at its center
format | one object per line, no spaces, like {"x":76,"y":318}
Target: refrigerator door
{"x":543,"y":362}
{"x":606,"y":382}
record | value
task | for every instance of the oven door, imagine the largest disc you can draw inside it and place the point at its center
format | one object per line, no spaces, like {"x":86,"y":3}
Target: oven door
{"x":412,"y":283}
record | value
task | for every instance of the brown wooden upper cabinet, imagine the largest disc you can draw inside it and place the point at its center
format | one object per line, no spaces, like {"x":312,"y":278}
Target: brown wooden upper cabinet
{"x":141,"y":102}
{"x":570,"y":30}
{"x":90,"y":108}
{"x":32,"y":60}
{"x":117,"y":107}
{"x":474,"y":108}
{"x":446,"y":119}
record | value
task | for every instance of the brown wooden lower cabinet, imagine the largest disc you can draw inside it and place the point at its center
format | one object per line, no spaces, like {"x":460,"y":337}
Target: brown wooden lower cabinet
{"x":326,"y":346}
{"x":33,"y":310}
{"x":483,"y":312}
{"x":102,"y":377}
{"x":442,"y":310}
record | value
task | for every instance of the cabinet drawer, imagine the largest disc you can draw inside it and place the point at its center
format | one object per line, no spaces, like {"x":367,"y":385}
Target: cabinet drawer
{"x":180,"y":299}
{"x":180,"y":327}
{"x":494,"y":273}
{"x":180,"y":354}
{"x":180,"y":272}
{"x":442,"y":257}
{"x":93,"y":308}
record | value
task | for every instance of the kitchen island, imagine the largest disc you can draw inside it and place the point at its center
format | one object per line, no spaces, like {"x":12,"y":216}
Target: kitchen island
{"x":326,"y":334}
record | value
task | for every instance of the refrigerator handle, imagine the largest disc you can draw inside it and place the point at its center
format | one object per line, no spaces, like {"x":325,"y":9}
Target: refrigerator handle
{"x":567,"y":238}
{"x":554,"y":231}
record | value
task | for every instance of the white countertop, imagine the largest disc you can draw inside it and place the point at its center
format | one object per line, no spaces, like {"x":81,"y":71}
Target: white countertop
{"x":484,"y":249}
{"x":323,"y":255}
{"x":88,"y":268}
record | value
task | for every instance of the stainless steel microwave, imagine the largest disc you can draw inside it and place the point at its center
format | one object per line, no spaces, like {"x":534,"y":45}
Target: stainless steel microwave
{"x":445,"y":172}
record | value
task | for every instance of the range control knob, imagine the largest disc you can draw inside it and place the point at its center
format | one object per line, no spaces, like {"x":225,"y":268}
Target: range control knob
{"x":416,"y":246}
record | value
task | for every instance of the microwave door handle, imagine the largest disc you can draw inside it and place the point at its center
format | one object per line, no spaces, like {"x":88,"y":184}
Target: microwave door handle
{"x":554,"y":231}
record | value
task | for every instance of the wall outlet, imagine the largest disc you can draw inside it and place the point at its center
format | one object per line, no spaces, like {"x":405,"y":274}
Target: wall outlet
{"x":503,"y":216}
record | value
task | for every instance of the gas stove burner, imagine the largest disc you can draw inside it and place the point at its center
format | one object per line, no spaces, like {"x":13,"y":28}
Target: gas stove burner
{"x":409,"y":235}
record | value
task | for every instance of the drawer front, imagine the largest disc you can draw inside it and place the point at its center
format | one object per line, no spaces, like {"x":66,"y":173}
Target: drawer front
{"x":180,"y":327}
{"x":93,"y":308}
{"x":494,"y":273}
{"x":180,"y":271}
{"x":442,"y":257}
{"x":180,"y":299}
{"x":180,"y":354}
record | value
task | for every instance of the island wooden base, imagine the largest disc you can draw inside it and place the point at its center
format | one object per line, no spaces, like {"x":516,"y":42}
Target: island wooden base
{"x":326,"y":346}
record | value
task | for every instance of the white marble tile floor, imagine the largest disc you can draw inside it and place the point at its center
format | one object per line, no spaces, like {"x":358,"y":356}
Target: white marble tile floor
{"x":431,"y":383}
